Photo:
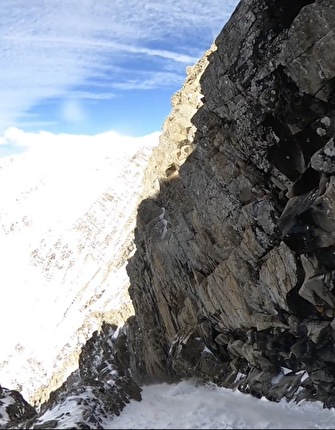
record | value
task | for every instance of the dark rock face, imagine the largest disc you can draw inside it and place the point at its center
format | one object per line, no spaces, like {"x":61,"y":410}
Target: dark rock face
{"x":13,"y":408}
{"x":233,"y":277}
{"x":98,"y":390}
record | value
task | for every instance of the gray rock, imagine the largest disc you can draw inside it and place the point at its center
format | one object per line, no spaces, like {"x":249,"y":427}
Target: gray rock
{"x":13,"y":408}
{"x":246,"y":262}
{"x":98,"y":390}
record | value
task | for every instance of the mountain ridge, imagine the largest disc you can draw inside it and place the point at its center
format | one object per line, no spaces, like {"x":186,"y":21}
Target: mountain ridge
{"x":69,"y":228}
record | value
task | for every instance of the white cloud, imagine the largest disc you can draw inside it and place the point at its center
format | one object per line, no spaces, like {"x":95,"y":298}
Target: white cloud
{"x":91,"y":96}
{"x":64,"y":143}
{"x":50,"y":48}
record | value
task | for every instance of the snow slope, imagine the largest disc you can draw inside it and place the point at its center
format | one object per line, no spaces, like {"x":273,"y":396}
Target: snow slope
{"x":186,"y":406}
{"x":67,"y":211}
{"x":183,"y":406}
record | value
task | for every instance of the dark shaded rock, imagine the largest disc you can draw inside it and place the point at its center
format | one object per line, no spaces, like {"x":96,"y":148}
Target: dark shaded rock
{"x":51,"y":424}
{"x":236,"y":251}
{"x":98,"y":390}
{"x":13,"y":408}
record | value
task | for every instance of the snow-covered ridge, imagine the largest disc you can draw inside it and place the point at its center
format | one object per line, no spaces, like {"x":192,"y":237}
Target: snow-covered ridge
{"x":67,"y":213}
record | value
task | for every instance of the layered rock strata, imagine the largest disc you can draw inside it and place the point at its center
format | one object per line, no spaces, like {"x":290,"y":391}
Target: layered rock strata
{"x":233,"y":277}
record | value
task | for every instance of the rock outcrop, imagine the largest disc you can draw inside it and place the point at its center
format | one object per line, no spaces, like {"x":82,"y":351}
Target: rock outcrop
{"x":90,"y":397}
{"x":233,"y":276}
{"x":13,"y":408}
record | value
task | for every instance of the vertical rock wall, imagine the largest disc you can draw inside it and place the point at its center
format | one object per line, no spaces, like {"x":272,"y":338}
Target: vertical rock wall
{"x":232,"y":279}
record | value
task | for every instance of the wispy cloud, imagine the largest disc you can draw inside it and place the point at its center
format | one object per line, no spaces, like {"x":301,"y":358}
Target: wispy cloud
{"x":145,"y":80}
{"x":50,"y":49}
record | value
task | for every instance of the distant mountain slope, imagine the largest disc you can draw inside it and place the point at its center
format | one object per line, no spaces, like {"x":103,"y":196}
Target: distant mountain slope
{"x":67,"y":213}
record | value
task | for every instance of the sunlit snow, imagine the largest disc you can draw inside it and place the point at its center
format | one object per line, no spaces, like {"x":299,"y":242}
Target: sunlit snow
{"x":185,"y":406}
{"x":67,"y":211}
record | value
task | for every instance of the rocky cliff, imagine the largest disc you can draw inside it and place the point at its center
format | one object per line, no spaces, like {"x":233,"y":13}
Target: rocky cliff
{"x":233,"y":277}
{"x":232,"y":280}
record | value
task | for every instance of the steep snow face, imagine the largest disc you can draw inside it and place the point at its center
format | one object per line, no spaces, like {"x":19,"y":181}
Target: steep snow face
{"x":67,"y":213}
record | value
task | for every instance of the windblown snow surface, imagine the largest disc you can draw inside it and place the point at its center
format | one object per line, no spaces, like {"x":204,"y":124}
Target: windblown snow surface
{"x":185,"y":406}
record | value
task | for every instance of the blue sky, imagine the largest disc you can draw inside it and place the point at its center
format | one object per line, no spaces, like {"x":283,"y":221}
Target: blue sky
{"x":97,"y":65}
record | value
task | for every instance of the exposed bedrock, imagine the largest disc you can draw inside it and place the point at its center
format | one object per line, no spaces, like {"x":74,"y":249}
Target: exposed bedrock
{"x":233,"y":277}
{"x":90,"y":397}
